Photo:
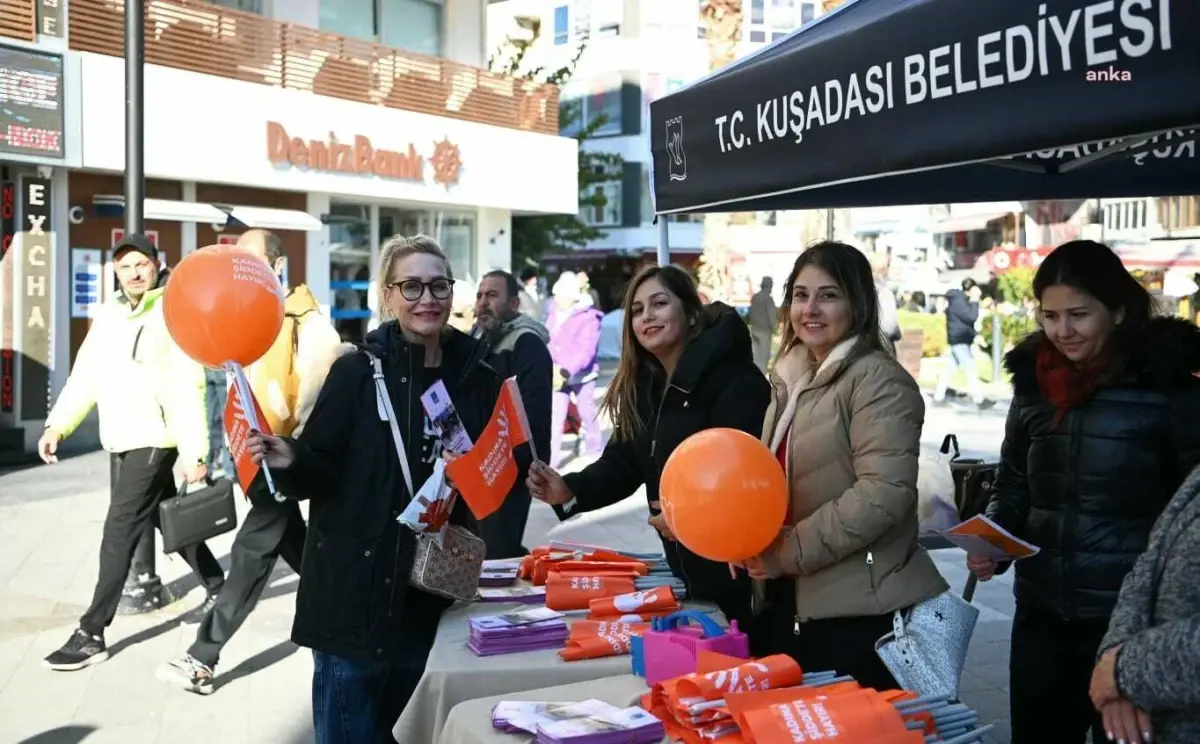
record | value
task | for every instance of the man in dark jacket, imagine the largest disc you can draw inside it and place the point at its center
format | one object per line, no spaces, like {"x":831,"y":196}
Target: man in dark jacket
{"x":962,"y":311}
{"x":522,"y":340}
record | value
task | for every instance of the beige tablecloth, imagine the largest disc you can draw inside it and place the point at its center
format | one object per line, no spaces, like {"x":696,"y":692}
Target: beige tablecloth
{"x":471,"y":722}
{"x":453,"y":674}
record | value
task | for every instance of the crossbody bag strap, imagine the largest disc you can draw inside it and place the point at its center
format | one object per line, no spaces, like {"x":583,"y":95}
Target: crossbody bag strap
{"x":383,"y":403}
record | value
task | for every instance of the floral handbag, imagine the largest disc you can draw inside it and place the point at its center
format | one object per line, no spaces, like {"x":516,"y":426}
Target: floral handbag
{"x":447,"y":563}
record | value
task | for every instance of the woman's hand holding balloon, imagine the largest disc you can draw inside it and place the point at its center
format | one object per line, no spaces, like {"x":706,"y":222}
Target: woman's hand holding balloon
{"x":273,"y":451}
{"x":659,"y":522}
{"x":547,"y":486}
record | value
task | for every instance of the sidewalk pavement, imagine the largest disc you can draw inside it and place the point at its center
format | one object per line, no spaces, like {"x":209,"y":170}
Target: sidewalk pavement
{"x":50,"y":522}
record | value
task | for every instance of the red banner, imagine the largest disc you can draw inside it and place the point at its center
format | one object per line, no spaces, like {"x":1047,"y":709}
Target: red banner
{"x":486,"y":473}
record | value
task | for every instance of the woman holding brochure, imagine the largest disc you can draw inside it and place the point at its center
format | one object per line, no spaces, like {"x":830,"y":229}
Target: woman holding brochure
{"x":370,"y":631}
{"x":1101,"y":432}
{"x":684,"y":368}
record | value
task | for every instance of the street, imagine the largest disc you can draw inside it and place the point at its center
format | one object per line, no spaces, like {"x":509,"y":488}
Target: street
{"x":50,"y":522}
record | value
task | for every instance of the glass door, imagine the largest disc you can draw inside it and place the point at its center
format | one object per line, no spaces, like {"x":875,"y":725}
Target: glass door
{"x":406,"y":222}
{"x":350,"y":270}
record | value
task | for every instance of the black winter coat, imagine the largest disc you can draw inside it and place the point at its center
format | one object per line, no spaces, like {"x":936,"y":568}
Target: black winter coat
{"x":1088,"y":491}
{"x":354,"y":599}
{"x":715,"y":384}
{"x":961,"y":315}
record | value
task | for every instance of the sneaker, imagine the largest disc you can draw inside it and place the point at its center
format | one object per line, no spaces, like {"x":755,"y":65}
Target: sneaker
{"x":197,"y":613}
{"x":986,"y":404}
{"x":146,"y":594}
{"x":81,"y":650}
{"x":188,"y":673}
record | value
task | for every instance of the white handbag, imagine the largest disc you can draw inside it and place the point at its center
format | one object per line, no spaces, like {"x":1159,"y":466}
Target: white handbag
{"x":927,"y":647}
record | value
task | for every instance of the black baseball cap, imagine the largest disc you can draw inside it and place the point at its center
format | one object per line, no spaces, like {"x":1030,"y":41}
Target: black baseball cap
{"x":139,"y":243}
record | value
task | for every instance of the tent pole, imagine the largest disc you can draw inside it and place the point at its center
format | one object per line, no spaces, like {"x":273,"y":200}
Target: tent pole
{"x":664,"y":241}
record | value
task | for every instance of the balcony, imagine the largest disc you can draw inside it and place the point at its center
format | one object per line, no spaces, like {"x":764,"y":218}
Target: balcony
{"x":17,"y":19}
{"x":200,"y":37}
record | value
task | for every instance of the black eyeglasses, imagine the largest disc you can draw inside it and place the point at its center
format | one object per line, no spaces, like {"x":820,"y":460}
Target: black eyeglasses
{"x":412,"y":289}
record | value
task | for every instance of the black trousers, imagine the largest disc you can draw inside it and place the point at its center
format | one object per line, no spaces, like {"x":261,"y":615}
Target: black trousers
{"x":845,"y":645}
{"x":141,"y":478}
{"x":270,"y":530}
{"x":1050,"y":669}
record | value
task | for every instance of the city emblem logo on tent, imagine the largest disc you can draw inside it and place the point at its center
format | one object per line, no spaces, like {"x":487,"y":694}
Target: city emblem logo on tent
{"x":677,"y":159}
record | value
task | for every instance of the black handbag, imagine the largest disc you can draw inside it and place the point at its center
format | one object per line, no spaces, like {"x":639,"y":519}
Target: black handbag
{"x":193,"y":517}
{"x":973,"y":480}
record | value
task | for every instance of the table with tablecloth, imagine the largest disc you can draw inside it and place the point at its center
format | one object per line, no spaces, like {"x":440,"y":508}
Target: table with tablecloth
{"x":454,"y":674}
{"x":471,"y":722}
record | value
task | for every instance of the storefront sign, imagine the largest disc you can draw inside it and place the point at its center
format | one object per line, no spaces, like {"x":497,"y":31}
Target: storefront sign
{"x":31,"y":103}
{"x":50,"y":17}
{"x":358,"y":156}
{"x":36,"y":285}
{"x":8,"y":373}
{"x":87,"y":270}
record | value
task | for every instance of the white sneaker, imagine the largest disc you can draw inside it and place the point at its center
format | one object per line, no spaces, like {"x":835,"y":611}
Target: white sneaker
{"x":188,"y":673}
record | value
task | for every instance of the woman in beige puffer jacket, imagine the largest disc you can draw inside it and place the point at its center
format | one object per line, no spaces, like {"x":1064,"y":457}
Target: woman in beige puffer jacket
{"x":845,"y":423}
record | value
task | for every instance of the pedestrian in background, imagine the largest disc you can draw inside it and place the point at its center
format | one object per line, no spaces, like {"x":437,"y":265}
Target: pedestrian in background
{"x":1100,"y":434}
{"x":764,"y":321}
{"x":532,"y":303}
{"x":285,"y":382}
{"x":962,"y":312}
{"x":150,"y":398}
{"x":507,"y":331}
{"x":574,"y":325}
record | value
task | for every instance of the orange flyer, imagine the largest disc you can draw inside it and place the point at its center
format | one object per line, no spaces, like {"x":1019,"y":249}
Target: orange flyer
{"x":237,"y":429}
{"x":982,"y":537}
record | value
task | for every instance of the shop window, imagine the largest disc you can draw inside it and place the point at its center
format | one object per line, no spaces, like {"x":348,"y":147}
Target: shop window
{"x":775,"y":19}
{"x":456,"y":234}
{"x":601,"y":206}
{"x":412,"y":25}
{"x":350,"y":270}
{"x":562,"y":27}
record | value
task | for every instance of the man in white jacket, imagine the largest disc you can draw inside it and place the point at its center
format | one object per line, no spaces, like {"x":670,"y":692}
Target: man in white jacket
{"x":285,"y":382}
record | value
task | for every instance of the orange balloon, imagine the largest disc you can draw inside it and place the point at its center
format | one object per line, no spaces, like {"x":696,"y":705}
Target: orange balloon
{"x":724,"y":495}
{"x":222,"y":305}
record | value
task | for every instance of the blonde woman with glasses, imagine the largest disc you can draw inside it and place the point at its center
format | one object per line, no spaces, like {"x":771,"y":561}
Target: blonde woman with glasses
{"x":371,"y":632}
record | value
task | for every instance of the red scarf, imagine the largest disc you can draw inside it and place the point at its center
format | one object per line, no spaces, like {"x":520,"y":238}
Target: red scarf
{"x":1064,"y":383}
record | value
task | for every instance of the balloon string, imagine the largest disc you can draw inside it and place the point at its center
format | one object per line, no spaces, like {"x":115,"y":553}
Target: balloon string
{"x":248,"y":408}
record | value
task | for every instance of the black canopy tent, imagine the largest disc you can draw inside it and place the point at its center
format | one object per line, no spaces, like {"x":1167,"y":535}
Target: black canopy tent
{"x":888,"y":102}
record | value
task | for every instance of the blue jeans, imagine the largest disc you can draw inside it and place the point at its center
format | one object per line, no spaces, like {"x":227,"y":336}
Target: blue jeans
{"x":359,"y":703}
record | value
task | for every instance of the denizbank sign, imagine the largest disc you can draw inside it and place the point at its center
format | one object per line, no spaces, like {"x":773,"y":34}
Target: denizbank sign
{"x":357,"y":155}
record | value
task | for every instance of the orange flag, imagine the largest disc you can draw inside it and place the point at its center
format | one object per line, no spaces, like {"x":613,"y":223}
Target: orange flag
{"x":237,"y":428}
{"x":486,"y":473}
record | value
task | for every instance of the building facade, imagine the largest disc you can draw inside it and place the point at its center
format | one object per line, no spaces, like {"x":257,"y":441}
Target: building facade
{"x":333,"y":125}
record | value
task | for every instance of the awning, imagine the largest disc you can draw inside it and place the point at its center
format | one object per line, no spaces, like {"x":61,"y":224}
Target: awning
{"x":178,"y":211}
{"x":273,"y":219}
{"x":113,"y":205}
{"x":966,"y":223}
{"x":1160,"y":254}
{"x":890,"y":102}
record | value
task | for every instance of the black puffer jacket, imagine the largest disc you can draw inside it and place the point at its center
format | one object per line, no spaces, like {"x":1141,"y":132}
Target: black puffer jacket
{"x":961,"y":315}
{"x":354,"y":599}
{"x":715,"y":385}
{"x":1088,"y":491}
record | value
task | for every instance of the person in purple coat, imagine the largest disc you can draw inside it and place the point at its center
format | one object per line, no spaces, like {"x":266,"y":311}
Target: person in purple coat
{"x":574,"y":325}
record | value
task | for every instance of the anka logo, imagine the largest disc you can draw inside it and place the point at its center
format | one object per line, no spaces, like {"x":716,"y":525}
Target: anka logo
{"x":676,"y":158}
{"x":1108,"y":75}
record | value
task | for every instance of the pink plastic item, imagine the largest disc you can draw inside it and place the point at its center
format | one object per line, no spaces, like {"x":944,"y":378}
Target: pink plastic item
{"x":670,"y":650}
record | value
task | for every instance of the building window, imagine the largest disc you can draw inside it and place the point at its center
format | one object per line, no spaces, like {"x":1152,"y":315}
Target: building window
{"x":411,"y":25}
{"x":1177,"y":212}
{"x":774,"y":19}
{"x":582,"y":104}
{"x":601,"y":205}
{"x":562,"y":28}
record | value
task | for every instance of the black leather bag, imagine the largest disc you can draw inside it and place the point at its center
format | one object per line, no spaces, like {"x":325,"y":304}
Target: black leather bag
{"x":973,"y":479}
{"x":193,"y":517}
